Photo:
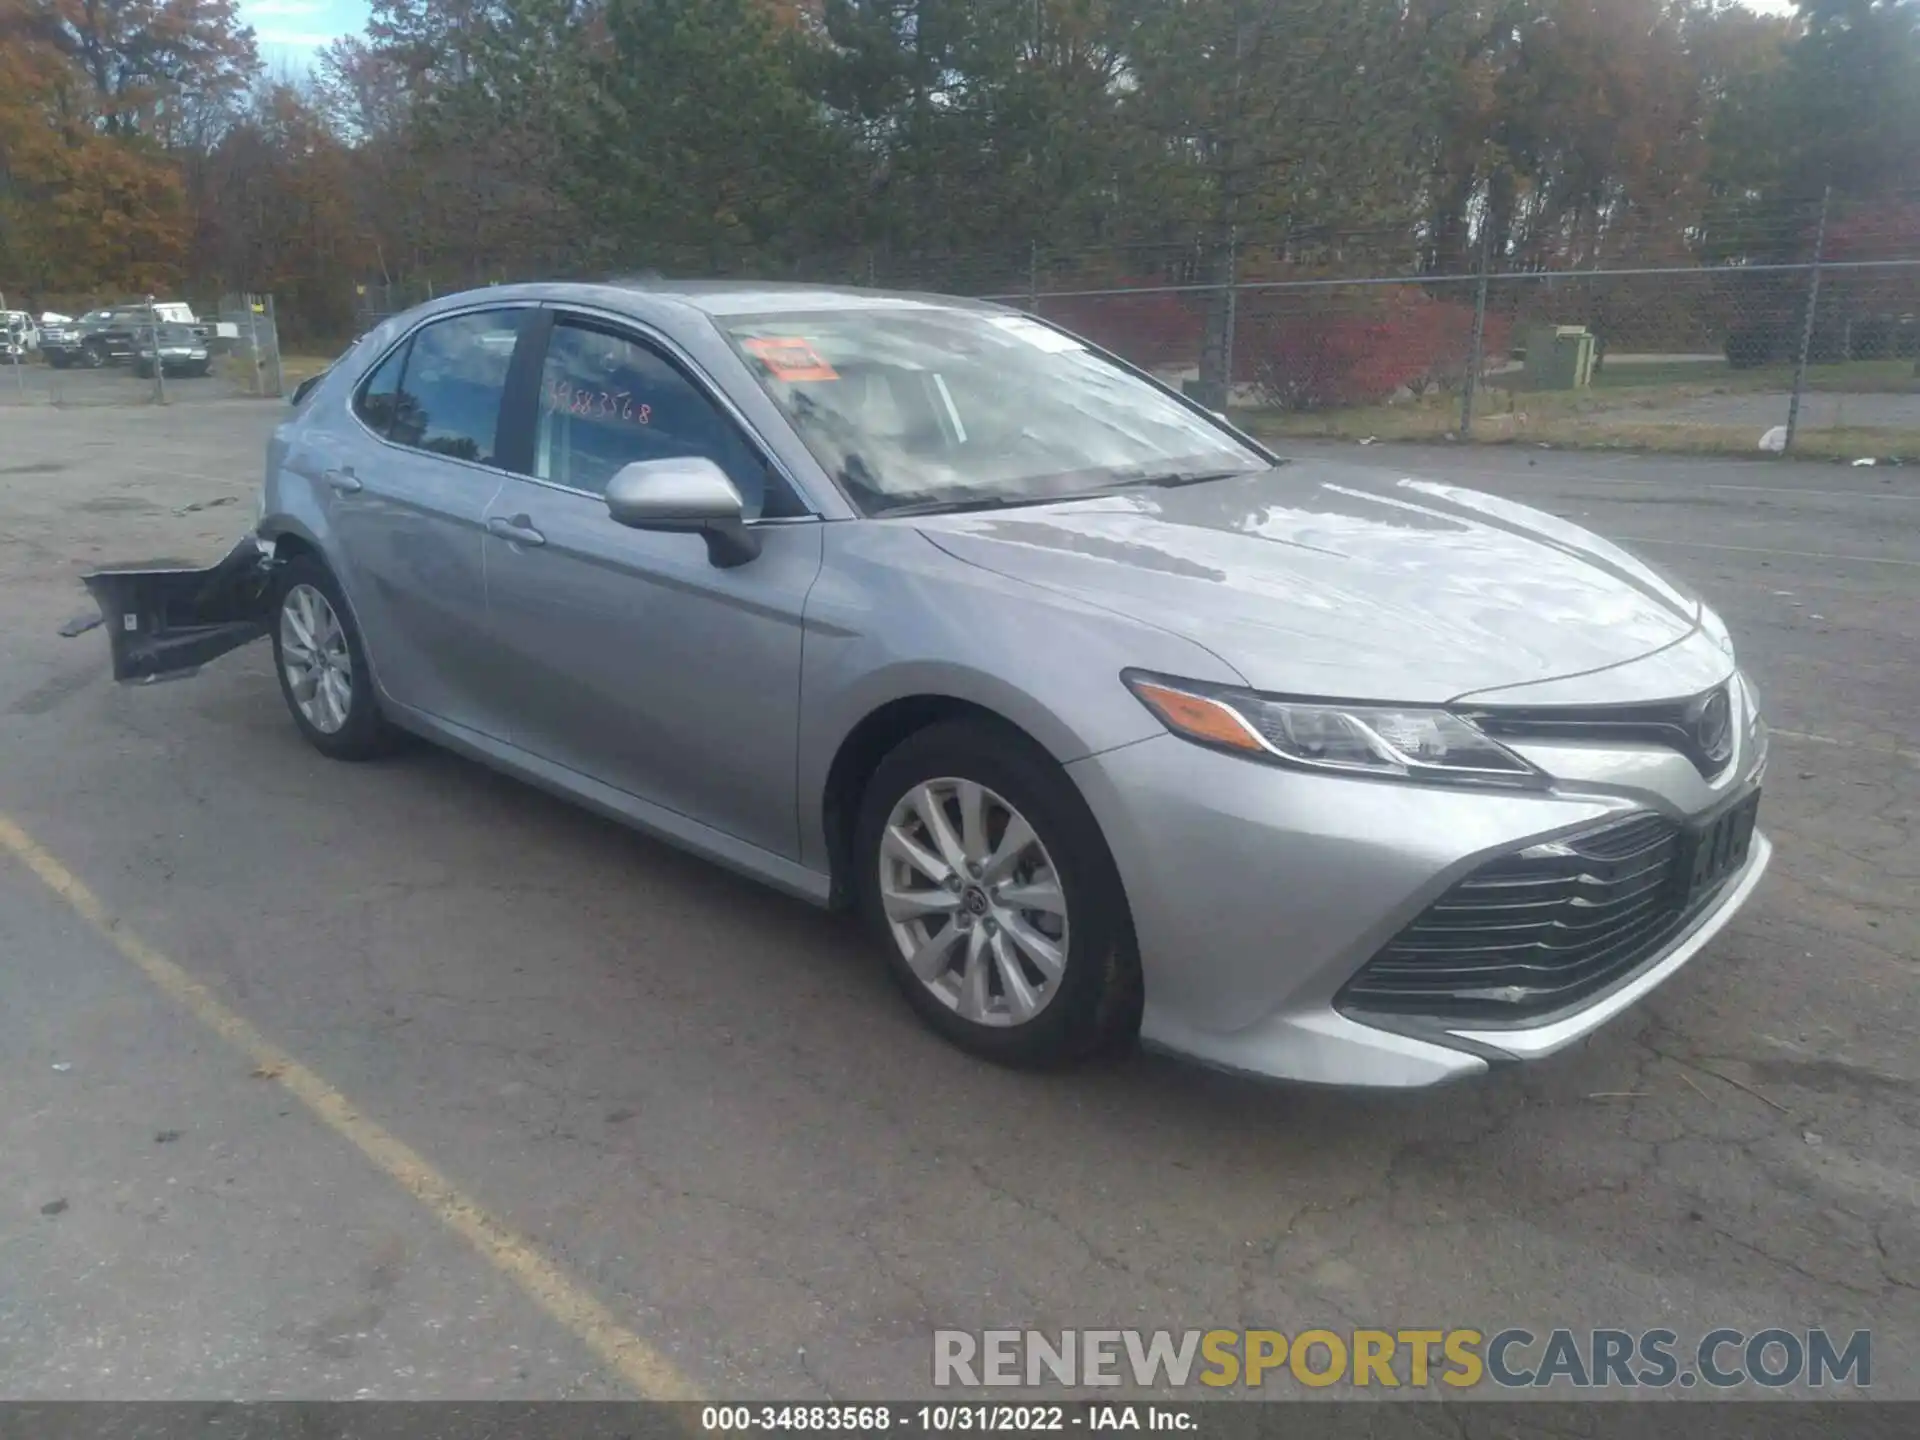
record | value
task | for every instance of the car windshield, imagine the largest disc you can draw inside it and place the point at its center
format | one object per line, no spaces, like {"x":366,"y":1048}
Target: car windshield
{"x":923,"y":407}
{"x":175,"y":335}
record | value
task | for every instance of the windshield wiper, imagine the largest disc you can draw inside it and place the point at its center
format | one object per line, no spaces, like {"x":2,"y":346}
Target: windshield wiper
{"x":1170,"y":479}
{"x":987,"y":502}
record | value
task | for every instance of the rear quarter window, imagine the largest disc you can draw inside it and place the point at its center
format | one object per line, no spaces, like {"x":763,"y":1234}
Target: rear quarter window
{"x":374,"y":401}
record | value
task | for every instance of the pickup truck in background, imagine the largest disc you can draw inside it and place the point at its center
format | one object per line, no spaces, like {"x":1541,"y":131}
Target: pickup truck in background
{"x":116,"y":334}
{"x":99,"y":337}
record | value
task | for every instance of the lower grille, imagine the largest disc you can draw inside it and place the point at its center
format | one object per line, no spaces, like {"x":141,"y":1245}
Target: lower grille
{"x":1536,"y":931}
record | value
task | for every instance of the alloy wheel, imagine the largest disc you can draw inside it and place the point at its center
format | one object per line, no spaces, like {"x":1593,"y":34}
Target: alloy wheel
{"x":974,"y":902}
{"x":317,"y":659}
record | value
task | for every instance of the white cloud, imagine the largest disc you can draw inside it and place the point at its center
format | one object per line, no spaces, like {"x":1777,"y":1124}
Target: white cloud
{"x":302,"y":39}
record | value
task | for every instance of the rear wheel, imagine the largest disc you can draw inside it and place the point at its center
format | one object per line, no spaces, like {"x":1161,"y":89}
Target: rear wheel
{"x":322,"y":664}
{"x":991,"y":890}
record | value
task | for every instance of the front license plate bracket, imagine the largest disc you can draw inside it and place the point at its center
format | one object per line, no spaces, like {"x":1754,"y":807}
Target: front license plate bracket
{"x":1718,"y":848}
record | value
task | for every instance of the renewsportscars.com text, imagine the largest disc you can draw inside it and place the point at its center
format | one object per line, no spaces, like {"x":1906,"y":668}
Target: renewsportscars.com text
{"x":1512,"y":1358}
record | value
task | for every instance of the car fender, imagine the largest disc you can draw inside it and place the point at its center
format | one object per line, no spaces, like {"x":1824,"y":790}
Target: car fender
{"x":894,"y":618}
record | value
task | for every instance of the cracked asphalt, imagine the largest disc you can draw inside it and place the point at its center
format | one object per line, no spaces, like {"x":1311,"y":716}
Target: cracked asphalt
{"x":703,"y":1103}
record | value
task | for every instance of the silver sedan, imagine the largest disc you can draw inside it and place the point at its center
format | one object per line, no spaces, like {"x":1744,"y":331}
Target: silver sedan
{"x":1111,"y":723}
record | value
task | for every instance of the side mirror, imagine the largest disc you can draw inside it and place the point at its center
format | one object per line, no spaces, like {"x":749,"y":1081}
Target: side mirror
{"x":689,"y":494}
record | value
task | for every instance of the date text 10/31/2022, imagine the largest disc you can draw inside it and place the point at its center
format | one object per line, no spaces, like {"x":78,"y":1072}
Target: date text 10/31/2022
{"x":943,"y":1419}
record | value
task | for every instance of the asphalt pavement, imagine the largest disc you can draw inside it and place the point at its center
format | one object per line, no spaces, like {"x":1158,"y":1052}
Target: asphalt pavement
{"x":405,"y":1080}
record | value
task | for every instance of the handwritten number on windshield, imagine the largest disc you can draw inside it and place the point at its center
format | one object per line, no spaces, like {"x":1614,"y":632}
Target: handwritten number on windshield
{"x":563,"y":399}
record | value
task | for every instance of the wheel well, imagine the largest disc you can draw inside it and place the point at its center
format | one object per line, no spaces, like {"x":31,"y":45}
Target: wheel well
{"x":860,"y":754}
{"x":288,"y":545}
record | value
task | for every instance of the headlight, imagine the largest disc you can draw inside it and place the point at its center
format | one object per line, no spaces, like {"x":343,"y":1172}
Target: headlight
{"x":1404,"y":742}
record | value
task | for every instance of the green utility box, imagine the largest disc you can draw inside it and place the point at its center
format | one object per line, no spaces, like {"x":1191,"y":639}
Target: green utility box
{"x":1559,"y":357}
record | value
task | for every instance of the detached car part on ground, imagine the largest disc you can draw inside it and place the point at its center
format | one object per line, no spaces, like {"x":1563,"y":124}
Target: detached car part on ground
{"x":1109,"y":721}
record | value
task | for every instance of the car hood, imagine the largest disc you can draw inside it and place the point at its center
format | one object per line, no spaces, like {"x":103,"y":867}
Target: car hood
{"x":1325,"y":579}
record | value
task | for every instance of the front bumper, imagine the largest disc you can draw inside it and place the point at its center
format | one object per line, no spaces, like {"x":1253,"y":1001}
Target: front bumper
{"x":163,"y":622}
{"x":1258,"y":892}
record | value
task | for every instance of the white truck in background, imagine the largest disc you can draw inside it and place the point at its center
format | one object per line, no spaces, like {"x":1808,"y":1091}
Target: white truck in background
{"x":170,"y":312}
{"x":19,"y":336}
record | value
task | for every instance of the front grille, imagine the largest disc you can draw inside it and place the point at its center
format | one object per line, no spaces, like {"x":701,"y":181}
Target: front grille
{"x":1673,"y":724}
{"x":1536,"y":931}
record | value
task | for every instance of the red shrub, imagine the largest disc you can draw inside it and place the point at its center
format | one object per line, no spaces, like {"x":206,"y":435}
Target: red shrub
{"x":1151,"y":330}
{"x":1304,"y":349}
{"x":1305,"y":354}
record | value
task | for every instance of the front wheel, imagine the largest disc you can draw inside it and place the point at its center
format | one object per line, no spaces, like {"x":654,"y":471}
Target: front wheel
{"x":92,"y":357}
{"x":322,"y":664}
{"x":991,"y":890}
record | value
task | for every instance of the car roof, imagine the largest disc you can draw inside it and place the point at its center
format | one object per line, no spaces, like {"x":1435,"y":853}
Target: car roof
{"x":728,"y":297}
{"x":753,"y":297}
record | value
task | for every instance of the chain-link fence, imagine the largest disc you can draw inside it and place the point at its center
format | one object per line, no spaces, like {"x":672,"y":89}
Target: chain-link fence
{"x":1816,"y":354}
{"x":146,"y":352}
{"x":1746,"y":328}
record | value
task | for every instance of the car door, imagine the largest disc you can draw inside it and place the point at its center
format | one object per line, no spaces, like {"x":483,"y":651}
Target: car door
{"x":409,"y":488}
{"x":632,"y":657}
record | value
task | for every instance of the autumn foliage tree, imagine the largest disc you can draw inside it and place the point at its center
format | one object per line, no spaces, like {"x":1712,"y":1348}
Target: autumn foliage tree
{"x":964,"y":144}
{"x":84,"y":207}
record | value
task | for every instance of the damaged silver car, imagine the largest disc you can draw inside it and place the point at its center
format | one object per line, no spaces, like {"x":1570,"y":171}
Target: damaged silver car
{"x":1110,"y":722}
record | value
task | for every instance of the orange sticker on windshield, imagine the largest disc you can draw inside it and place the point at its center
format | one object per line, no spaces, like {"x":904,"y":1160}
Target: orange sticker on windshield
{"x":791,"y":358}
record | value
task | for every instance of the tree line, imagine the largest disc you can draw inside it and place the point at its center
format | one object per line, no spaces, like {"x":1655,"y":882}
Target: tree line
{"x":967,"y":144}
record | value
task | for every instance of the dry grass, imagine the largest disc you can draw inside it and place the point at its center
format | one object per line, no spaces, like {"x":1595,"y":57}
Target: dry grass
{"x":1861,"y":377}
{"x":302,"y":367}
{"x":1628,"y":408}
{"x":238,"y":369}
{"x":1574,"y":431}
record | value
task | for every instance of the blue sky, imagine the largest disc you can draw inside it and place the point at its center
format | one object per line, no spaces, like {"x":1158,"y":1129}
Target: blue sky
{"x":290,"y":31}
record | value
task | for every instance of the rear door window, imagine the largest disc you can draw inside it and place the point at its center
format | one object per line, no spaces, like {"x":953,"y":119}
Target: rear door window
{"x":451,"y":384}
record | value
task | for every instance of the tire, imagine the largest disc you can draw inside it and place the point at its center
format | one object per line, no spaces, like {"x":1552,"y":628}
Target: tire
{"x":143,"y":370}
{"x":361,"y":733}
{"x":58,"y":359}
{"x":92,"y":357}
{"x":1094,"y":1003}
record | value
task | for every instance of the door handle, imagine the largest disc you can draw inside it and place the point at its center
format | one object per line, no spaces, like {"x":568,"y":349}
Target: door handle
{"x":343,"y":480}
{"x":519,"y":530}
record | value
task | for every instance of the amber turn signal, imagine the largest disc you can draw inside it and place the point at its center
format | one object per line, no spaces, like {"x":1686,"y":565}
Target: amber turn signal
{"x":1197,"y":717}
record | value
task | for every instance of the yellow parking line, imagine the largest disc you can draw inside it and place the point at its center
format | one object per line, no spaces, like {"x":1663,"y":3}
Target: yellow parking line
{"x":648,"y":1373}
